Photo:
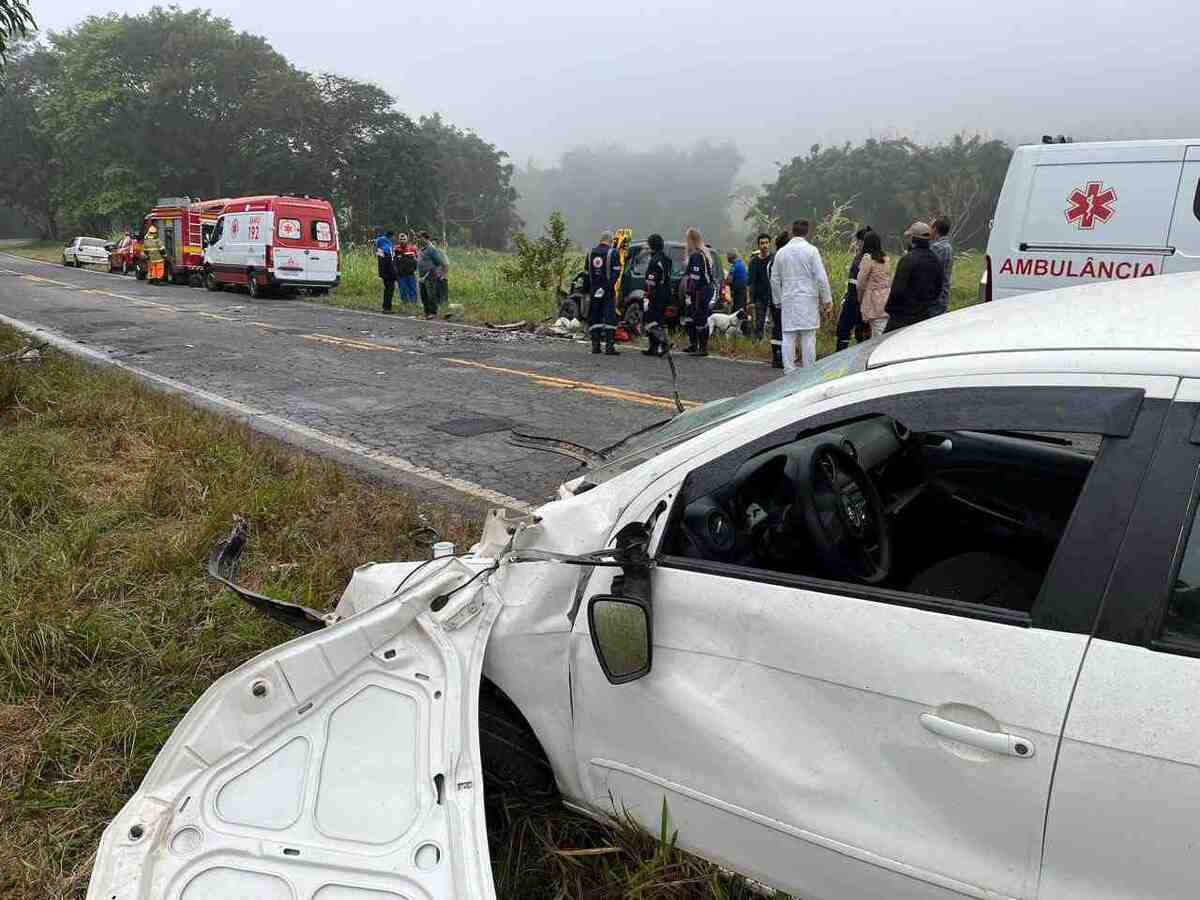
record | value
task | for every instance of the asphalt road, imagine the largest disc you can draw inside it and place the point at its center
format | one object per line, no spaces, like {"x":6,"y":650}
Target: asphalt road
{"x":430,"y":404}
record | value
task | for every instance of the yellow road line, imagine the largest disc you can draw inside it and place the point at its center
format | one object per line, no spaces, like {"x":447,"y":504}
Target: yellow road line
{"x":588,"y":387}
{"x":47,"y":280}
{"x":605,"y":391}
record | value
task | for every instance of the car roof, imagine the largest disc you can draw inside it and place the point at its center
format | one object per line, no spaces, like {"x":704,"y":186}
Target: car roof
{"x":1152,"y":313}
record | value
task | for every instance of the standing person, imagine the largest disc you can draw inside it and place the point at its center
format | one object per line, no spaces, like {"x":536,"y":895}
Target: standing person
{"x":759,"y":279}
{"x":799,"y":279}
{"x":850,"y":321}
{"x":433,"y":270}
{"x":658,"y":296}
{"x":405,"y":257}
{"x":602,"y":306}
{"x":944,"y":251}
{"x":698,"y":287}
{"x":387,"y":267}
{"x":917,"y":284}
{"x":736,"y":278}
{"x":874,"y":284}
{"x":781,"y":240}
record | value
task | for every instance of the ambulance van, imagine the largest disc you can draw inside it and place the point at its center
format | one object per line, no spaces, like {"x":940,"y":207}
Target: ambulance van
{"x":1074,"y":213}
{"x":274,"y":245}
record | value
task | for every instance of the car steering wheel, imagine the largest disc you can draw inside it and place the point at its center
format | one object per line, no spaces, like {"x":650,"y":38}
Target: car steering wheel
{"x":844,"y":515}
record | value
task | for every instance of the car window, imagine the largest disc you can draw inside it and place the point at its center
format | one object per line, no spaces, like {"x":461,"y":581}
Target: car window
{"x":678,"y":256}
{"x":886,"y":505}
{"x":91,"y":242}
{"x":641,"y":261}
{"x":686,"y":425}
{"x":1182,"y":620}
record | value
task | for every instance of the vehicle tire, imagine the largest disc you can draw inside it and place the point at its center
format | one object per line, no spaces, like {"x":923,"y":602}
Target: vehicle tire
{"x":256,"y":290}
{"x":139,"y":272}
{"x":513,"y":759}
{"x":210,"y":281}
{"x":318,"y":292}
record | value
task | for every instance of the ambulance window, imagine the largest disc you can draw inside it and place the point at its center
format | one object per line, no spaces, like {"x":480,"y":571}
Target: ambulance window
{"x":289,"y":229}
{"x":322,"y":231}
{"x":206,"y":234}
{"x":217,"y":231}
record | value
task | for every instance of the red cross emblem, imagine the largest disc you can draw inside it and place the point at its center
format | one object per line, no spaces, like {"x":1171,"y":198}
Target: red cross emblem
{"x":1091,"y":202}
{"x":234,"y":227}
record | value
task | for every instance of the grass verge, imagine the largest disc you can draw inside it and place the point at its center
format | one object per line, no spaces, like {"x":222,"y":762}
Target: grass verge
{"x":110,"y":497}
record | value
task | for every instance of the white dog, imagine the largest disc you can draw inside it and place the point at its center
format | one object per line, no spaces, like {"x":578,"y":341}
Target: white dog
{"x":726,"y":323}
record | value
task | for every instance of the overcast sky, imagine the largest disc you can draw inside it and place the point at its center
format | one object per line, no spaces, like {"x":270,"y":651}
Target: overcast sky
{"x":536,"y":77}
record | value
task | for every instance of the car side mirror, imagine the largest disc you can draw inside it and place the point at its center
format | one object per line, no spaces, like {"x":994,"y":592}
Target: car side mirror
{"x":621,"y":630}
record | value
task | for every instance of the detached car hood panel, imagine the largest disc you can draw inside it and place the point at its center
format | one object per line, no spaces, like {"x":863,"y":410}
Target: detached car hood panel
{"x":343,"y":765}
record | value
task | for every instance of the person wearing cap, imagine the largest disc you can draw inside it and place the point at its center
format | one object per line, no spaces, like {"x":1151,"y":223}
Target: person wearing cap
{"x":917,"y":283}
{"x":801,"y":286}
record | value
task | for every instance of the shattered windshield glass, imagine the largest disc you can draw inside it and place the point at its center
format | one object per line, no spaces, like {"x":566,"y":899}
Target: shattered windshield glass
{"x":642,"y":447}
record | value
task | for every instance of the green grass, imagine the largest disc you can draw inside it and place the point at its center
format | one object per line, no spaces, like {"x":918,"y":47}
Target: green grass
{"x":110,"y":497}
{"x":47,"y":251}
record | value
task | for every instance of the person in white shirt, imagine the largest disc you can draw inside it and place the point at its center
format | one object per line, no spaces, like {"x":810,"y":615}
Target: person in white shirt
{"x":800,"y":290}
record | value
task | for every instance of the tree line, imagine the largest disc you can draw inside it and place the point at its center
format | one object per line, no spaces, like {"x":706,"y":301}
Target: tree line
{"x":102,"y":119}
{"x":888,"y":184}
{"x":663,"y":189}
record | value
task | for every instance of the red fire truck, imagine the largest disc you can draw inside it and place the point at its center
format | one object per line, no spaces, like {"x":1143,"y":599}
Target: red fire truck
{"x":184,"y":227}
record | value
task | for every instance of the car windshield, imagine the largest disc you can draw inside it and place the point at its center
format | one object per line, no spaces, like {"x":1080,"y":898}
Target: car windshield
{"x":647,"y":444}
{"x":91,"y":242}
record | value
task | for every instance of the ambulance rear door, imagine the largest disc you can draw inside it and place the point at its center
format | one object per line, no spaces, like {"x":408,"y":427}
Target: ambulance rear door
{"x":1185,"y":224}
{"x":1095,"y":213}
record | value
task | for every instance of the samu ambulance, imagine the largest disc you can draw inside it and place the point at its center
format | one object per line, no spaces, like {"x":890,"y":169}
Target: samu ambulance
{"x":1074,"y":213}
{"x":274,"y":244}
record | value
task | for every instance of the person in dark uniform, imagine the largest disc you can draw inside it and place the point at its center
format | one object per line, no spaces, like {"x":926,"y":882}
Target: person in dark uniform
{"x":781,"y":241}
{"x":602,"y":308}
{"x":658,"y":296}
{"x":850,"y":320}
{"x":698,"y":287}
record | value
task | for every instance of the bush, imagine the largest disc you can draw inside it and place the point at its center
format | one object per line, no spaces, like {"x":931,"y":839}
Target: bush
{"x":541,"y":264}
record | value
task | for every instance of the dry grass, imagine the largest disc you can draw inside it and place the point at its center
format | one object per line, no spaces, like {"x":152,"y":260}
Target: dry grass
{"x":110,"y":497}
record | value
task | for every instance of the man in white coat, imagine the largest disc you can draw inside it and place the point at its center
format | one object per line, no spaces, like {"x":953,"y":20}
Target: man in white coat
{"x":798,"y":285}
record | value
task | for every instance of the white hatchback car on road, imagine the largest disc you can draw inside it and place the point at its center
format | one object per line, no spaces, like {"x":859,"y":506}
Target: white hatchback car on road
{"x":923,"y":621}
{"x":86,"y":251}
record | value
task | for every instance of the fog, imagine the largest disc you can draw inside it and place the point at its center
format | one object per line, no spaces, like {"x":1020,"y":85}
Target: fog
{"x":537,"y":78}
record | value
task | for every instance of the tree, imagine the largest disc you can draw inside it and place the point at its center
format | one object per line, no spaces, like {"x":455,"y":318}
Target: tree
{"x":120,"y":110}
{"x":663,"y":190}
{"x":16,"y":21}
{"x":542,"y":264}
{"x":893,"y":182}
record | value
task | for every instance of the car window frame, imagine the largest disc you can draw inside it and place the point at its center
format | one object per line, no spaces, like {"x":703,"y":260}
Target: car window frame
{"x":1072,"y":592}
{"x":1135,"y":604}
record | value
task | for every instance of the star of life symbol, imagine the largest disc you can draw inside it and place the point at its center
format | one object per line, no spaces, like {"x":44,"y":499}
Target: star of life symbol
{"x":234,"y":227}
{"x":1090,"y":203}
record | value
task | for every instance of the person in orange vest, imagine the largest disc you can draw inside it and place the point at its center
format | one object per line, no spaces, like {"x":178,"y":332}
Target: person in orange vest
{"x":156,"y":260}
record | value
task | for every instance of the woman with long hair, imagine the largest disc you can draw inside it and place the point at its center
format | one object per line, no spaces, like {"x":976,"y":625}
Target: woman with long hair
{"x":874,"y":284}
{"x":698,"y":286}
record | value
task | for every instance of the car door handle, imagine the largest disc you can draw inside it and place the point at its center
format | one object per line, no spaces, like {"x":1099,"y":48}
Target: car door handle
{"x":995,"y":741}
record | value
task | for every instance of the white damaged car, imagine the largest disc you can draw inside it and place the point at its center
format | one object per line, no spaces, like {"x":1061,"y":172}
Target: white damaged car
{"x":923,"y":621}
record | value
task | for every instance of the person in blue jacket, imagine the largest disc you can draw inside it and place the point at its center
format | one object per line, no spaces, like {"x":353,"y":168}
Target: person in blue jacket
{"x":387,"y":268}
{"x":698,"y":288}
{"x":602,"y":266}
